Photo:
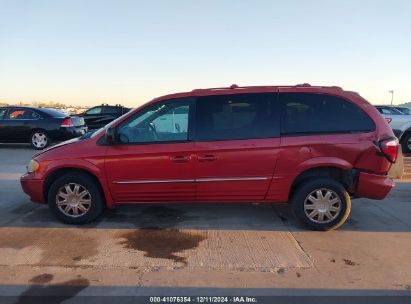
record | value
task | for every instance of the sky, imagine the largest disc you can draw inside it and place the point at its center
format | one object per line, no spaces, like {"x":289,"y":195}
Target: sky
{"x":86,"y":52}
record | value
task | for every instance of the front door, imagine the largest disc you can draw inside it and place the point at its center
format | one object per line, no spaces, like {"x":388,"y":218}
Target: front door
{"x":237,"y":143}
{"x":152,"y":159}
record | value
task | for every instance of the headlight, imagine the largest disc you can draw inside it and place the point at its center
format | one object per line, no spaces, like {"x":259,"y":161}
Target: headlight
{"x":33,"y":166}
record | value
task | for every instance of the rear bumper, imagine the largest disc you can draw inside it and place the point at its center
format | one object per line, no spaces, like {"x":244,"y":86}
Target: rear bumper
{"x":65,"y":133}
{"x":33,"y":188}
{"x":373,"y":186}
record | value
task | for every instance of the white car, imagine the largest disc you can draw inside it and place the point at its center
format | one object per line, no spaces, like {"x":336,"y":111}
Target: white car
{"x":400,"y":123}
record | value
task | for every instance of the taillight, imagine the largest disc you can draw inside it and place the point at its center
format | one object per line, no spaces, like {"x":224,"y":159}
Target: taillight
{"x":388,"y":120}
{"x":390,"y":147}
{"x":67,"y":122}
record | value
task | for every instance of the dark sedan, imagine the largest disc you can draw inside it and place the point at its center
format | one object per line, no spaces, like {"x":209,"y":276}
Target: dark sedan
{"x":38,"y":126}
{"x":98,"y":117}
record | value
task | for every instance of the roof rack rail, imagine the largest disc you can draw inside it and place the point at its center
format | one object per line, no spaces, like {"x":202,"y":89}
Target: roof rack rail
{"x":307,"y":85}
{"x":235,"y":86}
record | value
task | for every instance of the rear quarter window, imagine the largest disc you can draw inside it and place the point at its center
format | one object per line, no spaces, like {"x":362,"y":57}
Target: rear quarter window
{"x":53,"y":113}
{"x":112,"y":110}
{"x":305,"y":113}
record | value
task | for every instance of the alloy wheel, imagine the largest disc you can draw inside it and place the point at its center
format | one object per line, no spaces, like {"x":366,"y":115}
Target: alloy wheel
{"x":322,"y":205}
{"x":73,"y":200}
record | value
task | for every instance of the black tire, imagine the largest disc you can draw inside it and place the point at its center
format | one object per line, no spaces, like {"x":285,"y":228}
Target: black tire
{"x":39,"y":134}
{"x":404,"y":143}
{"x":96,"y":197}
{"x":309,"y":187}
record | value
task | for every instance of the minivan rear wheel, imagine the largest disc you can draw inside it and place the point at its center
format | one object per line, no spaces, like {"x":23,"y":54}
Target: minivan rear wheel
{"x":321,"y":204}
{"x":75,"y":199}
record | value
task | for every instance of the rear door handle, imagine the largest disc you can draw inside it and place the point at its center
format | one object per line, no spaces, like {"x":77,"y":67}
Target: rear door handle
{"x":207,"y":157}
{"x":180,"y":158}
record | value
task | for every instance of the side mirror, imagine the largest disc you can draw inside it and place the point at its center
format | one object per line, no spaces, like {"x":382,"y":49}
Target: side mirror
{"x":110,"y":136}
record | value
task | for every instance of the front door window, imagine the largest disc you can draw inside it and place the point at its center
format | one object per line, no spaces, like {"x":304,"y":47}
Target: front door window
{"x":161,"y":122}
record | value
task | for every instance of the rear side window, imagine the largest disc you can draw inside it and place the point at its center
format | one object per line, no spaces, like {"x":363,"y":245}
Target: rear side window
{"x":2,"y":112}
{"x":389,"y":111}
{"x":304,"y":113}
{"x":404,"y":110}
{"x":19,"y":114}
{"x":112,"y":110}
{"x":237,"y":116}
{"x":54,"y":113}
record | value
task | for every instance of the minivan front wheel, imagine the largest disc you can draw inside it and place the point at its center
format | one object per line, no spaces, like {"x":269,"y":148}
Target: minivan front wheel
{"x":75,"y":199}
{"x":321,"y":204}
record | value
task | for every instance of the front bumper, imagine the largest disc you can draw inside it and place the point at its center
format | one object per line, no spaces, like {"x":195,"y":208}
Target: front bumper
{"x":33,"y":187}
{"x":373,"y":186}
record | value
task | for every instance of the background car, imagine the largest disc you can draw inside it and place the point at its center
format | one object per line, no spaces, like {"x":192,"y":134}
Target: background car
{"x":400,"y":123}
{"x":404,"y":110}
{"x":38,"y":126}
{"x":98,"y":117}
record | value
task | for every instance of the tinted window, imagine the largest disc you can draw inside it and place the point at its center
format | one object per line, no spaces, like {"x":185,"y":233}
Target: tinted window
{"x":2,"y":112}
{"x":238,"y":116}
{"x":318,"y":113}
{"x":92,"y":111}
{"x":112,"y":110}
{"x":390,"y":111}
{"x":404,"y":110}
{"x":160,"y":122}
{"x":21,"y":114}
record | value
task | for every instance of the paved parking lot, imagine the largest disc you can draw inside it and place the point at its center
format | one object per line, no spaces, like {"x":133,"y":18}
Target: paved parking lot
{"x":190,"y":248}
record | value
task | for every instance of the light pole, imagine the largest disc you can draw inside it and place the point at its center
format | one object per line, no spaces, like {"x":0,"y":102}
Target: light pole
{"x":392,"y":95}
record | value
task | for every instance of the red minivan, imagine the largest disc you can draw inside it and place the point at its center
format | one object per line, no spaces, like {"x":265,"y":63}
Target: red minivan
{"x":315,"y":147}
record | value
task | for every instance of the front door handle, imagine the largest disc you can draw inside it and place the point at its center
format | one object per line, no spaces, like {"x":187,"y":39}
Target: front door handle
{"x":180,"y":158}
{"x":207,"y":157}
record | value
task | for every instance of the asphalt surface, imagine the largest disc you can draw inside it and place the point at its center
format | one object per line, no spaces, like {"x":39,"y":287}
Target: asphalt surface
{"x":207,"y":249}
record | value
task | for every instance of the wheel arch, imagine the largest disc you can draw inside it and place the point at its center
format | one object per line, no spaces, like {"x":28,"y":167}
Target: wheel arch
{"x":52,"y":176}
{"x":347,"y":177}
{"x":404,"y":135}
